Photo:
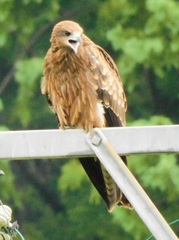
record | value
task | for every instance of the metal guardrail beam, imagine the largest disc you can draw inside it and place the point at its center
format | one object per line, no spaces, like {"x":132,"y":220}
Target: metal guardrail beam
{"x":124,"y":141}
{"x":71,"y":143}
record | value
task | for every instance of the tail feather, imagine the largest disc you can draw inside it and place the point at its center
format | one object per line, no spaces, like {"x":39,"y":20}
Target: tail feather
{"x":111,"y":188}
{"x":114,"y":194}
{"x":105,"y":185}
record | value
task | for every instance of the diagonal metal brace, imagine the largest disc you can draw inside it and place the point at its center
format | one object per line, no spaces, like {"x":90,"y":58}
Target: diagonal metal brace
{"x":129,"y":186}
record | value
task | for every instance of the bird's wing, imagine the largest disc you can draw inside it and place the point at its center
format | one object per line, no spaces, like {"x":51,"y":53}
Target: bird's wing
{"x":110,"y":88}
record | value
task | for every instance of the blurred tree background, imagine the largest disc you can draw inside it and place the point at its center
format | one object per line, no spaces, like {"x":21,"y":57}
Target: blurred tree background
{"x":49,"y":199}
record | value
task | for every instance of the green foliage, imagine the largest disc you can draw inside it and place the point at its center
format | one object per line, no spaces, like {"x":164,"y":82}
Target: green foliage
{"x":76,"y":177}
{"x":149,"y":39}
{"x":59,"y":200}
{"x":1,"y":105}
{"x":27,"y":75}
{"x":27,"y":16}
{"x":154,"y":120}
{"x":164,"y":179}
{"x":128,"y":223}
{"x":71,"y":180}
{"x":90,"y":221}
{"x":8,"y":187}
{"x":2,"y":127}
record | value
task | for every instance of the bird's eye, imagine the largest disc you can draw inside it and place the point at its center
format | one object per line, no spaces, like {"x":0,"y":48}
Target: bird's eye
{"x":67,"y":33}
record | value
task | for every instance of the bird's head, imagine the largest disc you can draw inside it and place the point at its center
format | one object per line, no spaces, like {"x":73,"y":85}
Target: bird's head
{"x":67,"y":34}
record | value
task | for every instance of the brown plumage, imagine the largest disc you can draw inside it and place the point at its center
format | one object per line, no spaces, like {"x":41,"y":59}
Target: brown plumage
{"x":83,"y":86}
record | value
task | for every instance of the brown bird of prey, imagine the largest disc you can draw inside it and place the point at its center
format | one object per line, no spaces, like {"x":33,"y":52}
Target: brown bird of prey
{"x":83,"y":87}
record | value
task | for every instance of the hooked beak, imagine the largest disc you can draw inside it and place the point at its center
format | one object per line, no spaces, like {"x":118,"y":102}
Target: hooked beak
{"x":74,"y":42}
